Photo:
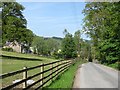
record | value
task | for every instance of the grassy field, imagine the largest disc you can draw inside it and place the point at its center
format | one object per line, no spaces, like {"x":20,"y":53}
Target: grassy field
{"x":25,"y":56}
{"x":9,"y":65}
{"x":15,"y":61}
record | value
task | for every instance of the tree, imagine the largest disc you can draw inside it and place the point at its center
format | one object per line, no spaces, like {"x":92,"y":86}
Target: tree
{"x":77,"y":41}
{"x":52,"y":46}
{"x":45,"y":46}
{"x":38,"y":45}
{"x":68,"y":46}
{"x":102,"y":21}
{"x":86,"y":50}
{"x":14,"y":25}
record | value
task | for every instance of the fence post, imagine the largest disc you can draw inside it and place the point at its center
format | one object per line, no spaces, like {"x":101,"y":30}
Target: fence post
{"x":71,"y":62}
{"x":57,"y":66}
{"x":42,"y":75}
{"x":61,"y":63}
{"x":52,"y":72}
{"x":25,"y":77}
{"x":68,"y":63}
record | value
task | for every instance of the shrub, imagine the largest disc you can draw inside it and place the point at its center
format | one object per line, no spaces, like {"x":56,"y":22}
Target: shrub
{"x":7,"y":49}
{"x":115,"y":65}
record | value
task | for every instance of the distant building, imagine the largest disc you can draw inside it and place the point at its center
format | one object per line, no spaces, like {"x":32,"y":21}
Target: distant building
{"x":32,"y":49}
{"x":14,"y":45}
{"x":59,"y":51}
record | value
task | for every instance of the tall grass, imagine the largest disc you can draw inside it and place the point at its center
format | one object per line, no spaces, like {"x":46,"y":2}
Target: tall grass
{"x":66,"y":79}
{"x":115,"y":65}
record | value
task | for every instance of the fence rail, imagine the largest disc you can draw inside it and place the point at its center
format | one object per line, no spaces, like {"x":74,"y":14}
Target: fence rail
{"x":55,"y":68}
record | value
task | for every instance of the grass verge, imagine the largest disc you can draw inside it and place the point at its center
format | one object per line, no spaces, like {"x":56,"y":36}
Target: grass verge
{"x":66,"y":79}
{"x":114,"y":65}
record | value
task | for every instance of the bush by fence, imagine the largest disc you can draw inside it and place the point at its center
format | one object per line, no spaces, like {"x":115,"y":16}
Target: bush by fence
{"x":7,"y":49}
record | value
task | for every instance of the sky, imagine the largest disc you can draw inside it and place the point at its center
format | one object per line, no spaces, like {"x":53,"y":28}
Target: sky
{"x":49,"y":19}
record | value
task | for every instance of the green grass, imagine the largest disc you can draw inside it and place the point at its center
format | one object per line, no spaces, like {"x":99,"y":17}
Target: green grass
{"x":9,"y":65}
{"x":115,"y":66}
{"x":12,"y":64}
{"x":17,"y":61}
{"x":26,"y":56}
{"x":66,"y":79}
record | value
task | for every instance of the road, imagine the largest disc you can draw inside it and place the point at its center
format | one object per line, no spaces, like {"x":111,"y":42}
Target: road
{"x":92,"y":75}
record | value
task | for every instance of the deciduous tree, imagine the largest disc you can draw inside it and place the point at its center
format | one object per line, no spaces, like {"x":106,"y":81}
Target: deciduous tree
{"x":102,"y":20}
{"x":14,"y":24}
{"x":68,"y":46}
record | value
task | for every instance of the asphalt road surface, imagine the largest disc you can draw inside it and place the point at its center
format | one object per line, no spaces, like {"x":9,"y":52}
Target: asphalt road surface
{"x":92,"y":75}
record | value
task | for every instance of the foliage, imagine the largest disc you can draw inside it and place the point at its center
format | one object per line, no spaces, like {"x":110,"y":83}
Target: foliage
{"x":7,"y":49}
{"x":14,"y":24}
{"x":115,"y":65}
{"x":38,"y":45}
{"x":101,"y":22}
{"x":57,"y":54}
{"x":77,"y":40}
{"x":68,"y":46}
{"x":51,"y":46}
{"x":45,"y":46}
{"x":66,"y":79}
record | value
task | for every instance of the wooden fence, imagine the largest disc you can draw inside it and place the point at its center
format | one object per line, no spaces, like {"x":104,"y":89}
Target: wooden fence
{"x":55,"y":68}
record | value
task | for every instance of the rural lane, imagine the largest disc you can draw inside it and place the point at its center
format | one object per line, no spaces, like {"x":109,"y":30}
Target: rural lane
{"x":91,"y":75}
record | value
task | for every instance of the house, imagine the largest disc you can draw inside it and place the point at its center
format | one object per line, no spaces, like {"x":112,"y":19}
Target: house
{"x":32,"y":49}
{"x":17,"y":47}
